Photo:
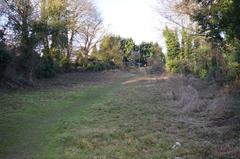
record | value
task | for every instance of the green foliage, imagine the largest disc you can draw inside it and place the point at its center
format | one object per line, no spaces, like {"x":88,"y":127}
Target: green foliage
{"x":203,"y":73}
{"x":79,"y":59}
{"x":201,"y":63}
{"x":57,"y":57}
{"x":216,"y":18}
{"x":186,"y":44}
{"x":65,"y":64}
{"x":97,"y":65}
{"x":219,"y":21}
{"x":32,"y":31}
{"x":173,"y":50}
{"x":110,"y":51}
{"x":158,"y":52}
{"x":116,"y":51}
{"x":5,"y":59}
{"x":147,"y":50}
{"x":57,"y":24}
{"x":172,"y":41}
{"x":25,"y":59}
{"x":127,"y":47}
{"x":232,"y":59}
{"x":46,"y":67}
{"x":51,"y":29}
{"x":194,"y":55}
{"x":174,"y":66}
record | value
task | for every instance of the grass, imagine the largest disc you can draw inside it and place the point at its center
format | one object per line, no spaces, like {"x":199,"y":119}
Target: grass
{"x":27,"y":127}
{"x":101,"y":121}
{"x":94,"y":122}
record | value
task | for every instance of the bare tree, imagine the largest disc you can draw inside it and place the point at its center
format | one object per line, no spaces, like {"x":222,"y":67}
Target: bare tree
{"x":86,"y":26}
{"x":177,"y":12}
{"x":77,"y":11}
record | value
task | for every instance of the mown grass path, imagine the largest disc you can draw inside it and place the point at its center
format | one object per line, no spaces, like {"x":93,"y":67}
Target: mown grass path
{"x":26,"y":129}
{"x":29,"y":118}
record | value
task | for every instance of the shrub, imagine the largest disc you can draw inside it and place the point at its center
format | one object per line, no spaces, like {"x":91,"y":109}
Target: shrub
{"x":46,"y":67}
{"x":65,"y":64}
{"x":202,"y":73}
{"x":5,"y":60}
{"x":174,"y":66}
{"x":100,"y":66}
{"x":90,"y":66}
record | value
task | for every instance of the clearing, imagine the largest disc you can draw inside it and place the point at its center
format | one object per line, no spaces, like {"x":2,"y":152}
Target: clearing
{"x":119,"y":115}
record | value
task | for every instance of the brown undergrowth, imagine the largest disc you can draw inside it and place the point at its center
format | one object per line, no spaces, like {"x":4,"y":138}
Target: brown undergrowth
{"x":203,"y":116}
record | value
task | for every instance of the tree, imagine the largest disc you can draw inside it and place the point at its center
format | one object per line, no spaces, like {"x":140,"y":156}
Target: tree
{"x":214,"y":20}
{"x":44,"y":29}
{"x":89,"y":30}
{"x":46,"y":34}
{"x":186,"y":44}
{"x":57,"y":21}
{"x":110,"y":51}
{"x":52,"y":29}
{"x":158,"y":52}
{"x":219,"y":21}
{"x":127,"y":46}
{"x":21,"y":18}
{"x":146,"y":51}
{"x":173,"y":50}
{"x":201,"y":59}
{"x":81,"y":14}
{"x":186,"y":56}
{"x":194,"y":55}
{"x":5,"y":57}
{"x":223,"y":29}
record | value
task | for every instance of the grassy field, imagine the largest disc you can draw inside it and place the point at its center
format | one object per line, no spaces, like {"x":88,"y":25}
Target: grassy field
{"x":107,"y":116}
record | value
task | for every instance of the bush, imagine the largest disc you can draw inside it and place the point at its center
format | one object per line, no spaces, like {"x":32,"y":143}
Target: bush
{"x":46,"y":67}
{"x":5,"y":60}
{"x":65,"y":64}
{"x":99,"y":66}
{"x":203,"y":73}
{"x":174,"y":66}
{"x":90,"y":66}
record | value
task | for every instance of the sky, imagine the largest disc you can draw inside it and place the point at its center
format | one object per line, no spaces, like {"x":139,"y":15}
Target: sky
{"x":137,"y":19}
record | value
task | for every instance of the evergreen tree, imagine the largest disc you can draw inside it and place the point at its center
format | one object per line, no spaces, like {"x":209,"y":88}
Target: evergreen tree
{"x":127,"y":47}
{"x":110,"y":51}
{"x":173,"y":50}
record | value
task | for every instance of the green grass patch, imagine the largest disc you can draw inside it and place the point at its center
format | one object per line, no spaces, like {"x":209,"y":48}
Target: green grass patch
{"x":111,"y":121}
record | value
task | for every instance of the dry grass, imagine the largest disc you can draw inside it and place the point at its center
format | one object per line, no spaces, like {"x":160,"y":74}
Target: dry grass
{"x":202,"y":116}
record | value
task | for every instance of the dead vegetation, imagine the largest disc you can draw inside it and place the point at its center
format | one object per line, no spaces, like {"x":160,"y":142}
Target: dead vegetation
{"x":203,"y":116}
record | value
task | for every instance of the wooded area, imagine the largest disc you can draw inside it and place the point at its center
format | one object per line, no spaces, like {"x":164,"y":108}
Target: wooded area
{"x":209,"y":45}
{"x":40,"y":38}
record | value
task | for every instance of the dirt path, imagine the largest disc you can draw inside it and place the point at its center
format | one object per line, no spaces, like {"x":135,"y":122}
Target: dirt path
{"x":119,"y":115}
